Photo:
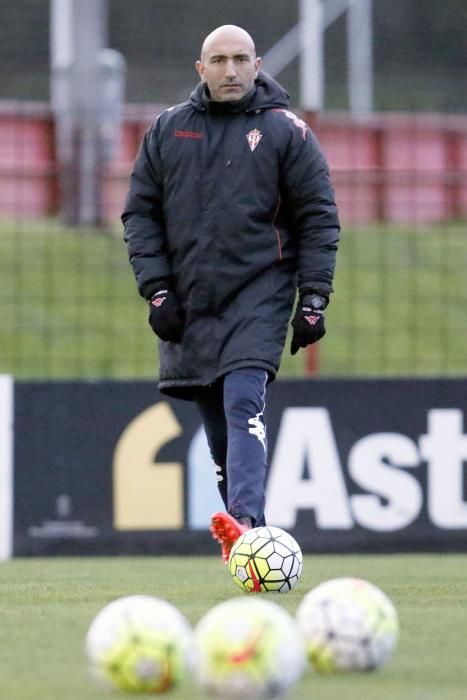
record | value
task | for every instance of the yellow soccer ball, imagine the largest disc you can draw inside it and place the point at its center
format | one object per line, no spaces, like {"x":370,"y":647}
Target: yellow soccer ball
{"x":266,"y":559}
{"x":247,"y":648}
{"x":139,"y":644}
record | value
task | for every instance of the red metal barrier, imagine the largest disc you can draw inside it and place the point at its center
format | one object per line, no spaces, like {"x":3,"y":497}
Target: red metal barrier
{"x":391,"y":167}
{"x":398,"y":167}
{"x":28,"y":182}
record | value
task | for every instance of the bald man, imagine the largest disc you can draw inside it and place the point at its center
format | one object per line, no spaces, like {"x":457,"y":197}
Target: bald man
{"x":230,"y":211}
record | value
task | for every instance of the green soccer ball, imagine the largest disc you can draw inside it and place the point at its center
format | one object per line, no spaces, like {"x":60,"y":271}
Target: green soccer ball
{"x":247,"y":649}
{"x":348,"y":624}
{"x":139,"y":644}
{"x":266,"y":559}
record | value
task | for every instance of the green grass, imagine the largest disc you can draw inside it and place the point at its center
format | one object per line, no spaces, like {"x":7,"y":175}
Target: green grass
{"x":69,"y":305}
{"x":399,"y":307}
{"x":46,"y":606}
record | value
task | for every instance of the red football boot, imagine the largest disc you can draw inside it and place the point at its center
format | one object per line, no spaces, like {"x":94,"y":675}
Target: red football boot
{"x":226,"y":530}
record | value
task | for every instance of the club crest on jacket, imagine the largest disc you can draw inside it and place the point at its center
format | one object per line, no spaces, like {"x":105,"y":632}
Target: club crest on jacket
{"x":254,"y":137}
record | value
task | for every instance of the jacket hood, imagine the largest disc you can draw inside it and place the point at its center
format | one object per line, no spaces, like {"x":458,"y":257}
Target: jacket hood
{"x":268,"y":94}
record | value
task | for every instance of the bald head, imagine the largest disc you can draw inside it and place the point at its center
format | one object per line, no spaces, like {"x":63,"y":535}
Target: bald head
{"x":228,"y":32}
{"x":228,"y":63}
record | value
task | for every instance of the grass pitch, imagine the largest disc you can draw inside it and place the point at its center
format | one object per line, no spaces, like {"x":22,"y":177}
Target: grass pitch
{"x":46,"y":606}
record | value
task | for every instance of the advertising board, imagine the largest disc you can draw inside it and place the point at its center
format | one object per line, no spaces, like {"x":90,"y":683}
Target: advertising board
{"x":355,"y":465}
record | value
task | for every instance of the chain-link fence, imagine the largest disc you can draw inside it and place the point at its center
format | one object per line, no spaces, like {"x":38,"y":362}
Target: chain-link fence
{"x":68,"y":301}
{"x":69,"y":307}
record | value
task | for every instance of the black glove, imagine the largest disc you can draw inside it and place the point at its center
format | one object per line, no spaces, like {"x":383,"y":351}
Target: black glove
{"x":308,"y":322}
{"x":166,"y":316}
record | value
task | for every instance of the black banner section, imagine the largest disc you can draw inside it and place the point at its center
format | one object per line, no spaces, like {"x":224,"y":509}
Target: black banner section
{"x":355,"y":466}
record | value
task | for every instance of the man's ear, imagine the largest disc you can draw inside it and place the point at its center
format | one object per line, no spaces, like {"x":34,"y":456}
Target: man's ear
{"x":199,"y":65}
{"x":257,"y":65}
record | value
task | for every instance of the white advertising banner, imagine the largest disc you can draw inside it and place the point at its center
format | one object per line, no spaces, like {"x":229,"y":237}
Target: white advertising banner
{"x":6,"y":466}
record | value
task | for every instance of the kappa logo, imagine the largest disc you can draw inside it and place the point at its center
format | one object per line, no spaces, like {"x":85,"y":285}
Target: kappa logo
{"x":312,"y":320}
{"x":298,"y":122}
{"x":258,"y":429}
{"x":254,"y":137}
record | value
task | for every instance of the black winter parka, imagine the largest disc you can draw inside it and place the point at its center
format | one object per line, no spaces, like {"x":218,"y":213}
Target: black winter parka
{"x":233,"y":204}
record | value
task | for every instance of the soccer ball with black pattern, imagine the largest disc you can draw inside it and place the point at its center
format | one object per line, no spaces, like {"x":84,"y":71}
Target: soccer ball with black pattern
{"x":348,"y":624}
{"x":266,"y":559}
{"x":139,"y":644}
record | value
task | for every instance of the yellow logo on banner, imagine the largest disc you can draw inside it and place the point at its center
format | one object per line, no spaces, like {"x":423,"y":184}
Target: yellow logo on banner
{"x":148,"y":495}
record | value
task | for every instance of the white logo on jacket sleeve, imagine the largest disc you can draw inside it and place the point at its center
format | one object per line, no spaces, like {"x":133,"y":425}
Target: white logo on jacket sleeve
{"x":298,"y":122}
{"x":254,"y":137}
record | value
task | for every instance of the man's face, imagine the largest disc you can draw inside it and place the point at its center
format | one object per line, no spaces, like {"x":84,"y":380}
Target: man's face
{"x":229,"y":67}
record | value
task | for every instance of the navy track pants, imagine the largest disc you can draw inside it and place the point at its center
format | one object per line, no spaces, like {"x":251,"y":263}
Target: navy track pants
{"x":232,"y":412}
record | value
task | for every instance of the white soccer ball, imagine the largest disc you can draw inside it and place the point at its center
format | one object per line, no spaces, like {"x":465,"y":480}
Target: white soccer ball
{"x":348,"y":624}
{"x":248,"y":648}
{"x":139,"y":644}
{"x":266,"y":559}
